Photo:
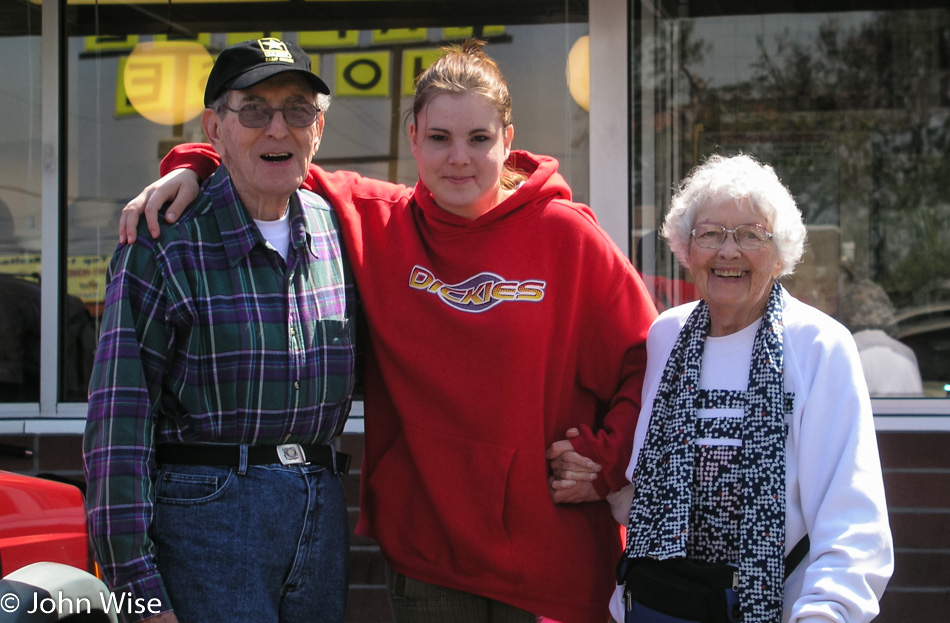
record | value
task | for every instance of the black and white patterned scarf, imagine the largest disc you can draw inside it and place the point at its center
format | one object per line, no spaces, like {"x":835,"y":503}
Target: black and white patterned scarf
{"x":659,"y":515}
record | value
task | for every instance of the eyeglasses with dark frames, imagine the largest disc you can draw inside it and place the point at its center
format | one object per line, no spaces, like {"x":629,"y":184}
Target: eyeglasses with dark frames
{"x":260,"y":115}
{"x":748,"y":237}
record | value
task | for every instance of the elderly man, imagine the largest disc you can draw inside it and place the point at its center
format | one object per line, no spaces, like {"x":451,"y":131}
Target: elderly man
{"x":224,"y":370}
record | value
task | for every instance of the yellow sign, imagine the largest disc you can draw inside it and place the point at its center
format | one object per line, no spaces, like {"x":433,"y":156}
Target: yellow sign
{"x":109,"y":43}
{"x":414,"y":62}
{"x":123,"y":107}
{"x":365,"y":74}
{"x":329,"y":39}
{"x":452,"y":34}
{"x":22,"y":265}
{"x":202,"y":38}
{"x":240,"y":37}
{"x":165,"y":80}
{"x":399,"y":35}
{"x":86,"y":277}
{"x":85,"y":274}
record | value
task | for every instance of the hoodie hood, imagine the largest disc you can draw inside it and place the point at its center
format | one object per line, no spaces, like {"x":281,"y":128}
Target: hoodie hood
{"x":544,"y":184}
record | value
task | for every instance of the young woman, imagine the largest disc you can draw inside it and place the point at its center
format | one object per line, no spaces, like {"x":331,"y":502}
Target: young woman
{"x":500,"y":317}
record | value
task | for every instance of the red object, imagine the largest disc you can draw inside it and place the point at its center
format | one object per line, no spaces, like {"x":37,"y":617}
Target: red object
{"x":669,"y":293}
{"x":41,"y":520}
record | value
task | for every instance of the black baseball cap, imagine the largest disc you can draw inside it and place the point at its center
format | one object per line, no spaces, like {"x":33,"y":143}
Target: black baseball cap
{"x":244,"y":64}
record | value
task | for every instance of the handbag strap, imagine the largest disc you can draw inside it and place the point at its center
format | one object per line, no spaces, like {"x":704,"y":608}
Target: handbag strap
{"x":796,"y":556}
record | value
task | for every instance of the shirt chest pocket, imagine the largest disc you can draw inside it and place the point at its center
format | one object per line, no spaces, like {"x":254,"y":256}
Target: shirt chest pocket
{"x":336,"y":348}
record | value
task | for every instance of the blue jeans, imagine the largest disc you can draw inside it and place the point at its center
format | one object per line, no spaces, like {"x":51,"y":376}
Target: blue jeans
{"x":415,"y":601}
{"x":269,"y":544}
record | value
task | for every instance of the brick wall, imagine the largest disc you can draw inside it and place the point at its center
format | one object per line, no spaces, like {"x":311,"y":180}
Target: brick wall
{"x":367,"y":601}
{"x":60,"y":455}
{"x":916,"y":476}
{"x":917,"y":481}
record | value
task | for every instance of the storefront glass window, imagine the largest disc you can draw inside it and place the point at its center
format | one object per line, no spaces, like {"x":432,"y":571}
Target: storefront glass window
{"x":20,"y":184}
{"x":853,"y":111}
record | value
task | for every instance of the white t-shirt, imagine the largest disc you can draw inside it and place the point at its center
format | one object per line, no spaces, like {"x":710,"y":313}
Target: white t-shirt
{"x":277,"y":233}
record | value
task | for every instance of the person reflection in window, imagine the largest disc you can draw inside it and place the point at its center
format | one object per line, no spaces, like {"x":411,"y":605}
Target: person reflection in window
{"x":890,"y":366}
{"x":666,"y":291}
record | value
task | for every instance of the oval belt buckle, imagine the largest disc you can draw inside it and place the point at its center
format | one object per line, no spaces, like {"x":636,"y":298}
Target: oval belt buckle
{"x":291,"y":454}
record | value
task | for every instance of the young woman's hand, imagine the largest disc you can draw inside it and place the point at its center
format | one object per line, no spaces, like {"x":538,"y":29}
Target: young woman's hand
{"x":179,"y":187}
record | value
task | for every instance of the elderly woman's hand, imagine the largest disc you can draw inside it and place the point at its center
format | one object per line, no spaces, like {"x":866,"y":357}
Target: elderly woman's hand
{"x":572,"y":474}
{"x":571,"y":491}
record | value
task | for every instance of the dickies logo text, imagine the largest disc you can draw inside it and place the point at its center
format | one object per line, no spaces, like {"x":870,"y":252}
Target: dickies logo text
{"x":479,"y":293}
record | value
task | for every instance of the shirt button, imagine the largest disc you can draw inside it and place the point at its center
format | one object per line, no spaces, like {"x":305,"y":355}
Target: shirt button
{"x":293,"y":331}
{"x":296,"y":384}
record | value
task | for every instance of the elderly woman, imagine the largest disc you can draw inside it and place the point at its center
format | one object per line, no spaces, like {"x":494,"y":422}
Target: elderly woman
{"x":756,"y":426}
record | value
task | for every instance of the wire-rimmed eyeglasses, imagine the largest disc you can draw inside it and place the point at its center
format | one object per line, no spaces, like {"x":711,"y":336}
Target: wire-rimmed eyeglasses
{"x":259,"y":115}
{"x":748,"y":237}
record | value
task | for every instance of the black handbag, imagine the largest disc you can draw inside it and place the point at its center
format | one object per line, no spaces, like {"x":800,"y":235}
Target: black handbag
{"x":679,"y":589}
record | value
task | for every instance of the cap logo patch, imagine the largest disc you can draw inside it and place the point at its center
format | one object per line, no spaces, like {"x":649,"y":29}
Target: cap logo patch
{"x":275,"y":50}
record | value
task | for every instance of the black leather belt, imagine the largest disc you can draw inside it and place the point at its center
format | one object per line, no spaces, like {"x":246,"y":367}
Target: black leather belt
{"x":230,"y":455}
